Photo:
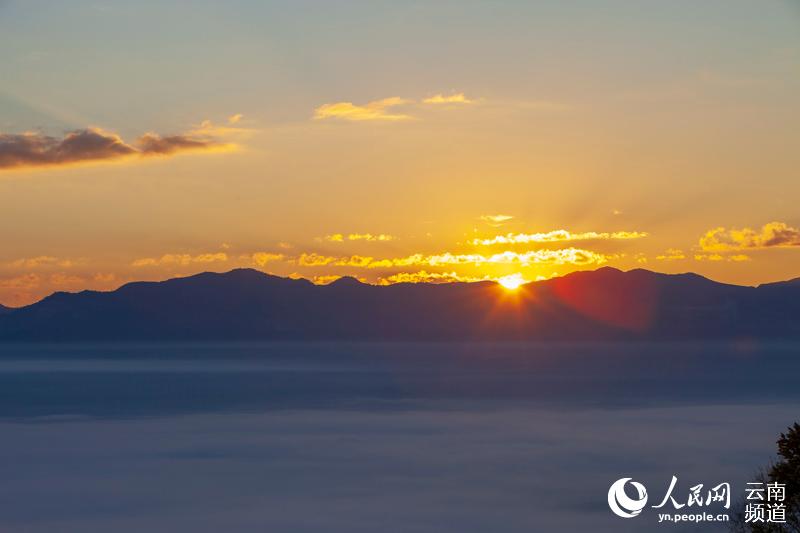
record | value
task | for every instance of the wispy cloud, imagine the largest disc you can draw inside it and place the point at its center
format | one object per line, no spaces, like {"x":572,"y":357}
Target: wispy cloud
{"x":557,"y":236}
{"x":380,"y":110}
{"x":324,"y":280}
{"x":456,"y":98}
{"x":22,"y":282}
{"x":672,"y":254}
{"x":262,"y":258}
{"x":495,"y":220}
{"x":180,"y":259}
{"x":341,"y":237}
{"x":771,"y":235}
{"x":34,"y":149}
{"x":718,"y":257}
{"x":572,"y":256}
{"x":41,"y":261}
{"x":423,"y":276}
{"x":210,"y":130}
{"x":385,"y":109}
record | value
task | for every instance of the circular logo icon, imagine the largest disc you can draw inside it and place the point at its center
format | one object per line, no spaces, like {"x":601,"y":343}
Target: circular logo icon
{"x":621,"y":504}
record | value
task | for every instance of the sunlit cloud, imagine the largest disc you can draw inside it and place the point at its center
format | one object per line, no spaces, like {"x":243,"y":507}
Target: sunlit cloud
{"x":180,"y":259}
{"x":385,"y":109}
{"x":423,"y":276}
{"x":572,"y":256}
{"x":92,"y":144}
{"x":61,"y":279}
{"x":208,"y":129}
{"x":456,"y":98}
{"x":262,"y":258}
{"x":340,"y":237}
{"x":380,"y":110}
{"x":21,"y":282}
{"x":771,"y":235}
{"x":718,"y":257}
{"x":40,"y":261}
{"x":495,"y":220}
{"x":672,"y":254}
{"x":315,"y":260}
{"x":324,"y":280}
{"x":557,"y":236}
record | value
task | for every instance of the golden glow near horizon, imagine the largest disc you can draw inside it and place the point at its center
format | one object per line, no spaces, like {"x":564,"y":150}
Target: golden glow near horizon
{"x":382,"y":258}
{"x":396,"y":153}
{"x":512,"y":282}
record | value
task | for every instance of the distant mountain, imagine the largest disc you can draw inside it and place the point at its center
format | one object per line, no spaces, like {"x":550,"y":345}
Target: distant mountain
{"x":247,"y":304}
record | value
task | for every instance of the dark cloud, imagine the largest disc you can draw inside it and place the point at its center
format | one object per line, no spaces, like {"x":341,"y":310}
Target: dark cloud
{"x":89,"y":144}
{"x":151,"y":143}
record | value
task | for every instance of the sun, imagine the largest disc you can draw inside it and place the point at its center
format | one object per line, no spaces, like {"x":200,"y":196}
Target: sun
{"x":512,"y":282}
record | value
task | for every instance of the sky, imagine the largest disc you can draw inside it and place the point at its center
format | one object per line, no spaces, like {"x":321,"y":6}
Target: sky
{"x":396,"y":141}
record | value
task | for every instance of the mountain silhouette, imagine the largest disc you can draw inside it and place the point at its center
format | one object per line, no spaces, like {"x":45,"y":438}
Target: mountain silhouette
{"x":245,"y":304}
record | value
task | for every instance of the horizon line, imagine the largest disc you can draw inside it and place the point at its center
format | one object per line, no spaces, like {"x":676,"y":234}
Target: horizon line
{"x":453,"y":282}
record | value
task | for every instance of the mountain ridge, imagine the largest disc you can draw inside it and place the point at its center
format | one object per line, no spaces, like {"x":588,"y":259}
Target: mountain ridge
{"x":247,"y":304}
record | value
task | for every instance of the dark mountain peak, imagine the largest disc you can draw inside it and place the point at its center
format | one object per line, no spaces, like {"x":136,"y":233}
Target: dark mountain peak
{"x":257,"y":276}
{"x":636,"y":275}
{"x":236,"y":276}
{"x":346,"y":281}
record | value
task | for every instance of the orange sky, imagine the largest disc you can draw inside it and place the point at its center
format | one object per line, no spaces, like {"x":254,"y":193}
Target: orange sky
{"x":396,"y":142}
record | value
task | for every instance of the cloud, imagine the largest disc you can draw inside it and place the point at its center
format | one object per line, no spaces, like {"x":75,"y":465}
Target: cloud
{"x":339,"y":237}
{"x":34,"y":149}
{"x":573,"y":256}
{"x":324,"y":280}
{"x":557,"y":236}
{"x":456,"y":98}
{"x":382,"y":110}
{"x":154,"y":144}
{"x":207,"y":129}
{"x":671,"y":254}
{"x":24,"y":282}
{"x":495,"y":220}
{"x":62,"y":279}
{"x":718,"y":257}
{"x":771,"y":235}
{"x":377,"y":110}
{"x":423,"y":276}
{"x":40,"y":261}
{"x":262,"y":258}
{"x":180,"y":259}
